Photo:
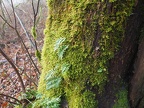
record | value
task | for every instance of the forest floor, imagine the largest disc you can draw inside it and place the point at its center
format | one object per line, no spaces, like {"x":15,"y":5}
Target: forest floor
{"x":10,"y":43}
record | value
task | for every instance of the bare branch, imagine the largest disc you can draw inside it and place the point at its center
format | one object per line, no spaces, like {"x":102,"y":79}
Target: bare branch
{"x":27,"y":51}
{"x":15,"y":28}
{"x":21,"y":23}
{"x":35,"y":17}
{"x":31,"y":80}
{"x":7,"y":22}
{"x":11,"y":98}
{"x":37,"y":9}
{"x":16,"y":70}
{"x":15,"y":24}
{"x":6,"y":11}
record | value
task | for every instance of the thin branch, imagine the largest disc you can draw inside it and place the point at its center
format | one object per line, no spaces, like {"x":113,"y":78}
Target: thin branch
{"x":35,"y":17}
{"x":31,"y":80}
{"x":14,"y":14}
{"x":15,"y":28}
{"x":11,"y":80}
{"x":14,"y":67}
{"x":33,"y":7}
{"x":37,"y":9}
{"x":22,"y":25}
{"x":27,"y":51}
{"x":10,"y":102}
{"x":7,"y":22}
{"x":6,"y":11}
{"x":10,"y":97}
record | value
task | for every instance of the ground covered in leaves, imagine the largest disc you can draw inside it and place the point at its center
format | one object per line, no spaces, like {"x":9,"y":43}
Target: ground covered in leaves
{"x":10,"y":87}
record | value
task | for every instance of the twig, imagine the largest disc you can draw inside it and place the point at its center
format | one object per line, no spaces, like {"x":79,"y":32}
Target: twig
{"x":21,"y":23}
{"x":35,"y":12}
{"x":10,"y":97}
{"x":35,"y":17}
{"x":16,"y":70}
{"x":6,"y":11}
{"x":7,"y":22}
{"x":15,"y":24}
{"x":15,"y":28}
{"x":10,"y":102}
{"x":11,"y":80}
{"x":31,"y":79}
{"x":27,"y":51}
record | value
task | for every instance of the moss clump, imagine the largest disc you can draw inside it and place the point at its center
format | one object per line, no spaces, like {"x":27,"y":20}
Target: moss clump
{"x":38,"y":55}
{"x":70,"y":60}
{"x":33,"y":32}
{"x":122,"y":99}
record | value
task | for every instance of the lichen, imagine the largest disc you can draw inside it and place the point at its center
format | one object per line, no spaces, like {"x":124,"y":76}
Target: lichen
{"x":72,"y":27}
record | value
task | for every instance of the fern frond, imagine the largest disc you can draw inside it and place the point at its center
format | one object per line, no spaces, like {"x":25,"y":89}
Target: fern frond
{"x":61,"y":51}
{"x":65,"y":67}
{"x":53,"y":83}
{"x":58,"y":43}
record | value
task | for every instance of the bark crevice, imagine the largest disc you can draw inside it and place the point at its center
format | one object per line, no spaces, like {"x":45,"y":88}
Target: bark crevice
{"x":121,"y":66}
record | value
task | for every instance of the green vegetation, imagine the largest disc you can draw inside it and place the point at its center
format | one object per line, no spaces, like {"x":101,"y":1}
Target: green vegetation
{"x":27,"y":98}
{"x":122,"y":99}
{"x":72,"y":65}
{"x":33,"y":32}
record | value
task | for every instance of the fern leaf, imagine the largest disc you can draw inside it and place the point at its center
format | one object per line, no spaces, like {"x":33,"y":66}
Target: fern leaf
{"x":61,"y":51}
{"x":58,"y":43}
{"x":50,"y":74}
{"x":54,"y":103}
{"x":53,"y":83}
{"x":65,"y":67}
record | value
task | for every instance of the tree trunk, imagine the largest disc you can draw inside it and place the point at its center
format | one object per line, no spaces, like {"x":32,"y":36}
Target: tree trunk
{"x":88,"y":52}
{"x":121,"y":66}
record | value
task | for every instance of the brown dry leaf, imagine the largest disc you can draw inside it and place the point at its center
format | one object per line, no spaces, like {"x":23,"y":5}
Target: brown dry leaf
{"x":3,"y":74}
{"x":4,"y":104}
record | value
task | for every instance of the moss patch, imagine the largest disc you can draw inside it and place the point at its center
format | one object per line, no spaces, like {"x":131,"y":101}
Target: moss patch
{"x":71,"y":63}
{"x":122,"y":99}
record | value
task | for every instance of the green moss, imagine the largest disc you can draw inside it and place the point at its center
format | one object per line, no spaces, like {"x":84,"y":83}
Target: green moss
{"x":38,"y":55}
{"x":33,"y":32}
{"x":86,"y":99}
{"x":69,"y":54}
{"x":122,"y":99}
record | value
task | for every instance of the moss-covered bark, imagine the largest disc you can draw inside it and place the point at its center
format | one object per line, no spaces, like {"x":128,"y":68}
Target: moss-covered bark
{"x":80,"y":38}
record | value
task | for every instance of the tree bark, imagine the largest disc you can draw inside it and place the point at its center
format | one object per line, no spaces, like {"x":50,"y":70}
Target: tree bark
{"x":89,"y":52}
{"x":121,"y":66}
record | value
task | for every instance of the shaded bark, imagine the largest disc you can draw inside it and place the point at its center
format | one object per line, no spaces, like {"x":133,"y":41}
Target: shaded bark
{"x":137,"y":82}
{"x":121,"y":66}
{"x":78,"y":81}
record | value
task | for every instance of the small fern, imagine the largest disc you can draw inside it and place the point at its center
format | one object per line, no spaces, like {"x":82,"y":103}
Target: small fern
{"x":65,"y":67}
{"x":54,"y":77}
{"x":50,"y":74}
{"x":58,"y":43}
{"x":61,"y":51}
{"x":60,"y":48}
{"x":51,"y":80}
{"x":53,"y":83}
{"x":47,"y":103}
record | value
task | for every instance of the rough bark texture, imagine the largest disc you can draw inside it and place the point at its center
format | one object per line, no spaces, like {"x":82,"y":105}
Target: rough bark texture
{"x":137,"y":83}
{"x":121,"y":66}
{"x":82,"y":38}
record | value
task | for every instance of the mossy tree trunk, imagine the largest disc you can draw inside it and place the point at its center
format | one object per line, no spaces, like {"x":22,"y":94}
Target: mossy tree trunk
{"x":88,"y":49}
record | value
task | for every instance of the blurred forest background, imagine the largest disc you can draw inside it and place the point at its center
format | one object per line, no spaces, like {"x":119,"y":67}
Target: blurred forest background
{"x":19,"y":67}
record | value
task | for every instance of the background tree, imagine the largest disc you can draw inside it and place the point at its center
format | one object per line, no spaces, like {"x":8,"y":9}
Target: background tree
{"x":88,"y":53}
